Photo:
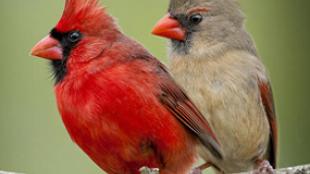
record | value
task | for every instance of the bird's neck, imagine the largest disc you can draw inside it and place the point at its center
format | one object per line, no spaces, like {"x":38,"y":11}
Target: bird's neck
{"x":209,"y":47}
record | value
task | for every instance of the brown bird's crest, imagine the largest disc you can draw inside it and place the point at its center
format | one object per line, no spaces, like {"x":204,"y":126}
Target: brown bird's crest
{"x":175,"y":4}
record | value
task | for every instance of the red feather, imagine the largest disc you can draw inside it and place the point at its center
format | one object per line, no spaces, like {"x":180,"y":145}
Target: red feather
{"x":86,"y":16}
{"x":267,"y":99}
{"x":116,"y":117}
{"x":111,"y":98}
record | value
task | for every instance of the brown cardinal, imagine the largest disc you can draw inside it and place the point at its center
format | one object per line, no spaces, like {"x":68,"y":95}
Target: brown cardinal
{"x":215,"y":60}
{"x":117,"y":101}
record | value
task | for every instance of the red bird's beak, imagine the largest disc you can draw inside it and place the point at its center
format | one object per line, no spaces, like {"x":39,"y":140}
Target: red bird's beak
{"x":47,"y":48}
{"x":170,"y":28}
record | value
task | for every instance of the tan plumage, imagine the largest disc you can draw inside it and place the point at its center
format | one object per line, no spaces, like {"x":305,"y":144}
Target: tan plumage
{"x":225,"y":89}
{"x":218,"y":66}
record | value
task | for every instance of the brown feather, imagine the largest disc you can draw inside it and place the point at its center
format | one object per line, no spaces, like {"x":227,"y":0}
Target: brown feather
{"x":267,"y":99}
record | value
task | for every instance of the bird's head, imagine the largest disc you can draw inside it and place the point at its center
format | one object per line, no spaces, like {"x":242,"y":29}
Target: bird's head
{"x":82,"y":33}
{"x":202,"y":27}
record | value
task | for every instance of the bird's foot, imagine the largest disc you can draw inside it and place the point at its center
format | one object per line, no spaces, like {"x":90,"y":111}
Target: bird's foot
{"x":146,"y":170}
{"x":264,"y":167}
{"x":196,"y":171}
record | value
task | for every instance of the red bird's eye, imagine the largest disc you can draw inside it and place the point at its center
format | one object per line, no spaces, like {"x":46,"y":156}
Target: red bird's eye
{"x":74,"y":36}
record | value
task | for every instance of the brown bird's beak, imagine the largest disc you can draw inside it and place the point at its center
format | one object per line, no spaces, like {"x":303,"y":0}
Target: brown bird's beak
{"x":48,"y":48}
{"x":170,"y":28}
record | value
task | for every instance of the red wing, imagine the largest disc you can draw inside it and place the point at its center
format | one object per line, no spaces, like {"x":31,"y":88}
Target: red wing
{"x":178,"y":103}
{"x":267,"y":99}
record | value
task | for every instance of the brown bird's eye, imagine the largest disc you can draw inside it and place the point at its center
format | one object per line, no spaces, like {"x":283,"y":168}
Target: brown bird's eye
{"x":195,"y":19}
{"x":74,"y":36}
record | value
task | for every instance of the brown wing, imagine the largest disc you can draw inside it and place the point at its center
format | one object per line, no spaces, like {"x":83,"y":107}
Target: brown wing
{"x":267,"y":99}
{"x":178,"y":103}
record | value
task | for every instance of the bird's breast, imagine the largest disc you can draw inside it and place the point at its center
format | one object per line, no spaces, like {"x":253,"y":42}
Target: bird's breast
{"x":117,"y":123}
{"x":226,"y":91}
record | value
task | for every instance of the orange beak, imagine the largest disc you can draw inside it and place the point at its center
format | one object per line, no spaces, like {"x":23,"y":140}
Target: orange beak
{"x":170,"y":28}
{"x":48,"y":48}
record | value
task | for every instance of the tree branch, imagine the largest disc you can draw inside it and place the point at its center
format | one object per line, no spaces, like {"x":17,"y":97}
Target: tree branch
{"x":3,"y":172}
{"x":305,"y":169}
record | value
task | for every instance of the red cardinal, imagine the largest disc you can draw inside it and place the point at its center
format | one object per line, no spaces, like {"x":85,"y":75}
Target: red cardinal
{"x":215,"y":60}
{"x":117,"y":101}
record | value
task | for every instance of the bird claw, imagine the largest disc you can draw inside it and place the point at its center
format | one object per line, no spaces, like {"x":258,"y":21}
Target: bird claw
{"x":146,"y":170}
{"x":264,"y":168}
{"x":196,"y":171}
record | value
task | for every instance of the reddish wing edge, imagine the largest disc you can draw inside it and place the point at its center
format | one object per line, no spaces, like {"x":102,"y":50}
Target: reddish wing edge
{"x":267,"y":99}
{"x":178,"y":103}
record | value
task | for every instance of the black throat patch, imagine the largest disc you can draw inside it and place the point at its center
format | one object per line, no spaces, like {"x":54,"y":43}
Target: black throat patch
{"x":183,"y":46}
{"x":67,"y":40}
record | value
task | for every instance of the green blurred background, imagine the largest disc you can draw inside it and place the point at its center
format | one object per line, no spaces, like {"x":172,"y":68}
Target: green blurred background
{"x":32,"y":137}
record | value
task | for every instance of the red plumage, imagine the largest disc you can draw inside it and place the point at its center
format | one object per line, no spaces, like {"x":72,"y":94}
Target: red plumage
{"x":116,"y":100}
{"x":116,"y":118}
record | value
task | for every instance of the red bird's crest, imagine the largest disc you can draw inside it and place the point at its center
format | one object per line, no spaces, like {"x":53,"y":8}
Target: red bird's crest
{"x":83,"y":15}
